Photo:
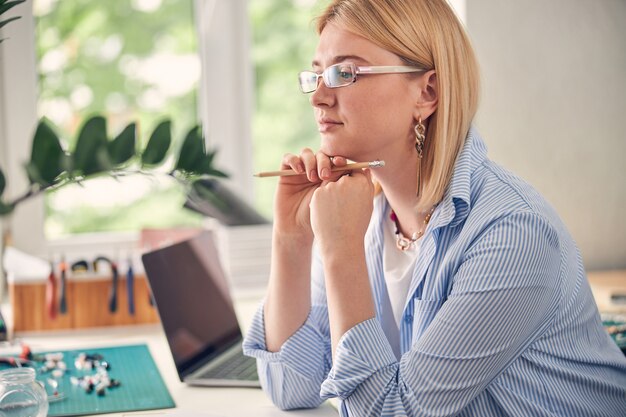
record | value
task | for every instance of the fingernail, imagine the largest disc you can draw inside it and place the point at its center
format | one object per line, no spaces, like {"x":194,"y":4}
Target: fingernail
{"x":312,"y":174}
{"x":325,"y":172}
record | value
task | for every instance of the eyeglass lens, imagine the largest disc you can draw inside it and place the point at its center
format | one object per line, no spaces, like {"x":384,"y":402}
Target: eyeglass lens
{"x":308,"y":81}
{"x":338,"y":75}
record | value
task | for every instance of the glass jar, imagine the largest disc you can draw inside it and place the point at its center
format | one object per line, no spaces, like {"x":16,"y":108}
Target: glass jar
{"x":21,"y":395}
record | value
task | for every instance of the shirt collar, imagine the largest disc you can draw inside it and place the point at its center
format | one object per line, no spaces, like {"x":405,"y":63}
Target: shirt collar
{"x":456,"y":202}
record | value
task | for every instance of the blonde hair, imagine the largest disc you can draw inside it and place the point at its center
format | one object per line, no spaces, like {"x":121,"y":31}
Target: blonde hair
{"x":427,"y":34}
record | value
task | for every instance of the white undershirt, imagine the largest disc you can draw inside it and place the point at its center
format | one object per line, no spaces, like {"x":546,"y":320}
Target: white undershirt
{"x":398,"y":269}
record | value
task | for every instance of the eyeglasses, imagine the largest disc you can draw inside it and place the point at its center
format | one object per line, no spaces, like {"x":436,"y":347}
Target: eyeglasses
{"x":341,"y":75}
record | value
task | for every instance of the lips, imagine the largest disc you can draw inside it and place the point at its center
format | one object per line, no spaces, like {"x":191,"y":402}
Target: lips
{"x":326,"y":124}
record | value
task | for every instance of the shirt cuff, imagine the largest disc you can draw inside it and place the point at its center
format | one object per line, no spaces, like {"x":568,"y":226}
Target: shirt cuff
{"x":361,"y":352}
{"x":300,"y":352}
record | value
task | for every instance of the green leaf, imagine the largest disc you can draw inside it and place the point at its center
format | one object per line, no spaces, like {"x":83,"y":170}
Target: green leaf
{"x":34,"y":175}
{"x":6,"y":208}
{"x":5,"y":22}
{"x":158,"y":144}
{"x":215,"y":173}
{"x":122,"y":148}
{"x":7,"y":5}
{"x":207,"y":166}
{"x":192,"y":153}
{"x":3,"y":182}
{"x":46,"y":156}
{"x":91,"y":155}
{"x":203,"y":189}
{"x":208,"y":161}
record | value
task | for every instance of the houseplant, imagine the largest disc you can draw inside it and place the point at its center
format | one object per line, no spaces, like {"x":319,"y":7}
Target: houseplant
{"x":96,"y":153}
{"x":51,"y":166}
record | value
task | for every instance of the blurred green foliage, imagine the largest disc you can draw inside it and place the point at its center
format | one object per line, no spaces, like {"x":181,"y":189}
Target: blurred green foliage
{"x":284,"y":41}
{"x":93,"y":57}
{"x":90,"y":54}
{"x":98,"y":45}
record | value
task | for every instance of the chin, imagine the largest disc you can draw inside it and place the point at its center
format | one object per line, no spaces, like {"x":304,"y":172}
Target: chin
{"x":332,"y":148}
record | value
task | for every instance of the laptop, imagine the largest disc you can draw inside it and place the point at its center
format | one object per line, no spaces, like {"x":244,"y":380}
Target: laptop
{"x":197,"y":314}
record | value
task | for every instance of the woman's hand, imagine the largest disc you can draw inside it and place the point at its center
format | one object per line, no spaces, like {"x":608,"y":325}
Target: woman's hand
{"x":288,"y":299}
{"x":341,"y":211}
{"x":293,"y":194}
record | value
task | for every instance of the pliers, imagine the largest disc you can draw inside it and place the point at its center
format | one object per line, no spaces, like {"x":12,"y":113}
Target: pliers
{"x":114,"y":280}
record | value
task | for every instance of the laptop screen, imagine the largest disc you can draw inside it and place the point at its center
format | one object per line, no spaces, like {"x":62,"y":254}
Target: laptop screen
{"x":193,"y":301}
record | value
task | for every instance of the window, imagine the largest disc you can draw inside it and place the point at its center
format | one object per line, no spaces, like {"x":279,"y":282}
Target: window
{"x":223,"y":97}
{"x":284,"y":41}
{"x":130,"y":61}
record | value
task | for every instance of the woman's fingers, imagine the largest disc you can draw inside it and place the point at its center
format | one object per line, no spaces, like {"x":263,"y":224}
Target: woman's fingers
{"x":338,"y":161}
{"x":317,"y":166}
{"x":323,"y":166}
{"x":310,"y":164}
{"x":291,"y":161}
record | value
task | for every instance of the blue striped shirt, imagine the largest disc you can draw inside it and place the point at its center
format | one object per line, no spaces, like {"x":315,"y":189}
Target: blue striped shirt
{"x":500,"y":320}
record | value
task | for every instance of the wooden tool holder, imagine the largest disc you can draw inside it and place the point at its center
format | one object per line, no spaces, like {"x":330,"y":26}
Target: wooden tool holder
{"x":87,"y":304}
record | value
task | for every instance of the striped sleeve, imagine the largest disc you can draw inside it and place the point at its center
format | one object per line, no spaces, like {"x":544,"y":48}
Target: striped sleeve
{"x":505,"y":292}
{"x":293,"y":375}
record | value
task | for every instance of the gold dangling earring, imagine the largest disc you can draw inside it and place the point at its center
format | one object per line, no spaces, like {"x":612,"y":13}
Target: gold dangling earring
{"x":420,"y":138}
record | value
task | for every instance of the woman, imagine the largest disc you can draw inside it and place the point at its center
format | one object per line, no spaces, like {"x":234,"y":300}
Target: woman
{"x":456,"y":289}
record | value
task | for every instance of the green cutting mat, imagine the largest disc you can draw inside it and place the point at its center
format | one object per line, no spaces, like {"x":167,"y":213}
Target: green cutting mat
{"x":611,"y":321}
{"x":142,"y":387}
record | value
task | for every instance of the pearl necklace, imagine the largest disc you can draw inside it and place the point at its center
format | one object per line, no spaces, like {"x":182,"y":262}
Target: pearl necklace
{"x":404,"y":243}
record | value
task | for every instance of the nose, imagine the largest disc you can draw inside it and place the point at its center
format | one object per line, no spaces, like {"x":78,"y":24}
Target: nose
{"x":322,"y":96}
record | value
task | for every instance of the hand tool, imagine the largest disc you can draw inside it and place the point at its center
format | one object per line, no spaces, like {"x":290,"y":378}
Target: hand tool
{"x":130,"y":288}
{"x":51,"y":292}
{"x":114,"y":281}
{"x":63,"y":289}
{"x":80,"y":266}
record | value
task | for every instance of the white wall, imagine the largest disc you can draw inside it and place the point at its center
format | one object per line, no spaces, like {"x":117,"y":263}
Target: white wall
{"x":227,"y":87}
{"x":19,"y":118}
{"x":553,"y":109}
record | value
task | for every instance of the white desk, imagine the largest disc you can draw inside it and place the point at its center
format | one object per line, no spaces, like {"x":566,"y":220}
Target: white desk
{"x":227,"y":402}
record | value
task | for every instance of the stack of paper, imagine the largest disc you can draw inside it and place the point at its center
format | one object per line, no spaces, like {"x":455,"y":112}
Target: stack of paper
{"x":245,"y":254}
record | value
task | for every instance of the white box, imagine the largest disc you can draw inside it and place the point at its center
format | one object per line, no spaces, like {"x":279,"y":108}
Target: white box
{"x":245,"y":253}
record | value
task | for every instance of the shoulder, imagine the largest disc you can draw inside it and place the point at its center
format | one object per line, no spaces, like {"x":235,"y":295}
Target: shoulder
{"x":497,"y":193}
{"x":510,"y":223}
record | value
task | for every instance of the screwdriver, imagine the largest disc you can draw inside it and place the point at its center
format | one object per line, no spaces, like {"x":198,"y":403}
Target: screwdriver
{"x":51,"y":292}
{"x":130,"y":288}
{"x":63,"y":289}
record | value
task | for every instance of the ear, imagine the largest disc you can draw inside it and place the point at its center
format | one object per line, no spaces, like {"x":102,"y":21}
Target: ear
{"x":428,"y":95}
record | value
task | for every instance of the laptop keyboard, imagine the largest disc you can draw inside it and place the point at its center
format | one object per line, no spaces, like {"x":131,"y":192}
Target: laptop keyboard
{"x":238,"y":367}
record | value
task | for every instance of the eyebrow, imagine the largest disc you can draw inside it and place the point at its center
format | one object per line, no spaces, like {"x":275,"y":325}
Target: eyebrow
{"x":341,"y":58}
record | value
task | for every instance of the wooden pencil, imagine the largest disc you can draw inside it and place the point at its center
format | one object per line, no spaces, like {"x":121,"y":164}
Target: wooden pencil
{"x":347,"y":167}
